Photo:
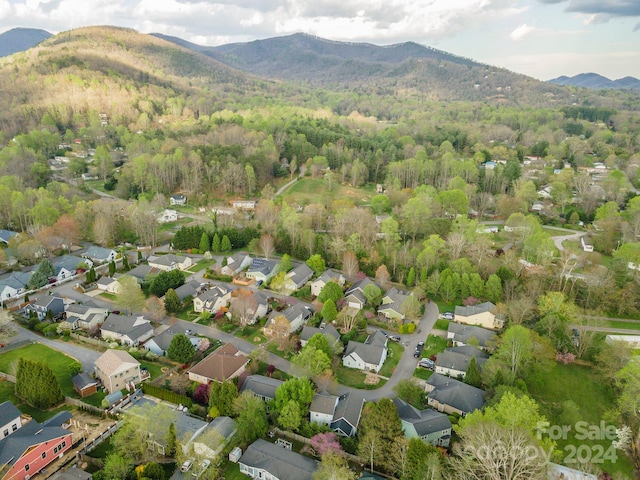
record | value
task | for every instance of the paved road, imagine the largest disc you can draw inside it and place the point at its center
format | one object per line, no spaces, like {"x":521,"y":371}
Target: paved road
{"x":620,"y":331}
{"x":573,"y":236}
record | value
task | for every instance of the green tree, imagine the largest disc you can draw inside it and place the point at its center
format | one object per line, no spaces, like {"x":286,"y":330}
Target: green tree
{"x":628,"y":383}
{"x":380,"y":420}
{"x":41,"y":276}
{"x":316,"y":263}
{"x":411,"y":277}
{"x":285,"y":264}
{"x":125,"y":262}
{"x":172,"y":441}
{"x":130,"y":295}
{"x":222,"y":396}
{"x":311,"y":361}
{"x":493,"y":288}
{"x":332,"y":291}
{"x":320,"y":342}
{"x":117,"y":466}
{"x":180,"y":349}
{"x":329,"y":311}
{"x":225,"y":244}
{"x":334,"y":467}
{"x":380,"y":204}
{"x":37,"y":384}
{"x":472,"y":375}
{"x":299,"y":390}
{"x":204,"y":242}
{"x":112,"y":268}
{"x":373,"y":294}
{"x":172,"y":303}
{"x":215,"y":243}
{"x":162,"y":282}
{"x":290,"y":417}
{"x":515,"y":349}
{"x":251,"y":416}
{"x":423,"y":462}
{"x":410,"y":392}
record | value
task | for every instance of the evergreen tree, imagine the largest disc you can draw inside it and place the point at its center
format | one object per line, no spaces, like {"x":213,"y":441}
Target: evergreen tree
{"x":125,"y":262}
{"x":172,"y":441}
{"x":225,"y":244}
{"x":493,"y":288}
{"x":112,"y":268}
{"x":41,"y":277}
{"x":411,"y":277}
{"x":181,"y":349}
{"x":204,"y":242}
{"x":222,"y":396}
{"x":215,"y":243}
{"x":37,"y":384}
{"x":172,"y":303}
{"x":472,"y":376}
{"x":285,"y":263}
{"x":329,"y":311}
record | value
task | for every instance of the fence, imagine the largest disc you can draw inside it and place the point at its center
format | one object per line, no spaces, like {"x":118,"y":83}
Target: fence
{"x":6,"y":376}
{"x":85,"y":406}
{"x":92,"y":341}
{"x":307,"y":441}
{"x":102,"y":437}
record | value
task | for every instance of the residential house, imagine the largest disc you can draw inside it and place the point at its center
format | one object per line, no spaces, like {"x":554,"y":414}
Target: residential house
{"x":249,"y":306}
{"x":355,"y":294}
{"x":454,"y":361}
{"x":67,"y":266}
{"x":117,"y":369}
{"x":329,"y":331}
{"x":225,"y":428}
{"x":126,"y":330}
{"x":160,"y":343}
{"x":84,"y":384}
{"x":100,"y":255}
{"x":431,"y":426}
{"x":6,"y":235}
{"x":86,"y":316}
{"x":322,"y":408}
{"x":214,"y":299}
{"x":168,"y":216}
{"x":261,"y":386}
{"x":236,"y":264}
{"x":142,"y":271}
{"x":223,"y":364}
{"x":561,"y":472}
{"x":477,"y":315}
{"x":296,"y":315}
{"x":189,"y":289}
{"x":367,"y":356}
{"x":346,"y":418}
{"x":327,"y":276}
{"x":262,"y":269}
{"x":461,"y":335}
{"x":169,"y":262}
{"x":14,"y":285}
{"x":266,"y":460}
{"x":586,"y":244}
{"x":244,"y":204}
{"x":453,"y":396}
{"x":31,"y":448}
{"x":74,"y":473}
{"x":109,"y":284}
{"x":392,"y":304}
{"x":45,"y":304}
{"x":297,"y":278}
{"x":177,"y":200}
{"x":9,"y":419}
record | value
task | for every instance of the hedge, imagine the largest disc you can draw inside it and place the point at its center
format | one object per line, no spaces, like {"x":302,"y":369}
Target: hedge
{"x":168,"y":395}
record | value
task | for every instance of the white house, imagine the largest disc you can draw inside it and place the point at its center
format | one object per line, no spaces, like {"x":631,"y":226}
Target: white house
{"x":212,"y":300}
{"x":367,"y":356}
{"x":168,"y":216}
{"x":100,"y":255}
{"x":236,"y":264}
{"x":296,"y":315}
{"x":262,"y":269}
{"x":322,"y":408}
{"x":131,"y":331}
{"x":178,"y":200}
{"x":327,"y":276}
{"x":170,"y":262}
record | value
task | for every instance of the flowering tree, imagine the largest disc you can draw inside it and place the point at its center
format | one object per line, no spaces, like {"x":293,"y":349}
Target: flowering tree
{"x":326,"y":442}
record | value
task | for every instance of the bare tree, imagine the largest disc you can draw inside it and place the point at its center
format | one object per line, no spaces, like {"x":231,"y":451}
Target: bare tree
{"x":350,"y":264}
{"x":243,"y":307}
{"x":266,"y":245}
{"x":154,"y":307}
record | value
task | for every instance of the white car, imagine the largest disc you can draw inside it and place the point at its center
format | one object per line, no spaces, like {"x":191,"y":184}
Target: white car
{"x":186,"y":466}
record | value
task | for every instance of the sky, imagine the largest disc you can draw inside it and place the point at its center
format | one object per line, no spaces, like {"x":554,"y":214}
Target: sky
{"x":540,"y":38}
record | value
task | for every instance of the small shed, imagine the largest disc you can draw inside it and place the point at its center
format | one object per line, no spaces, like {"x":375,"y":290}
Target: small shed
{"x":114,"y":397}
{"x":235,"y":454}
{"x":84,"y":384}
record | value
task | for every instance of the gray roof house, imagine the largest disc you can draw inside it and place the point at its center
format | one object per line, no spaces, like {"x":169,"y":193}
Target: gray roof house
{"x":327,"y":276}
{"x":461,"y":334}
{"x":367,"y":356}
{"x":392,"y":303}
{"x":262,"y":269}
{"x":453,"y":396}
{"x":126,"y":330}
{"x":170,"y":262}
{"x":347,"y":415}
{"x":142,"y":271}
{"x":215,"y":298}
{"x":477,"y":315}
{"x":44,"y":304}
{"x":178,"y":199}
{"x":431,"y":426}
{"x":6,"y":235}
{"x":189,"y":289}
{"x":14,"y":285}
{"x":261,"y":386}
{"x":9,"y":419}
{"x":160,"y":343}
{"x":454,"y":361}
{"x":330,"y":333}
{"x":86,"y":315}
{"x":296,"y":314}
{"x":66,"y":266}
{"x":236,"y":263}
{"x":355,"y":294}
{"x":263,"y":459}
{"x":298,"y":277}
{"x":100,"y":254}
{"x":322,"y":408}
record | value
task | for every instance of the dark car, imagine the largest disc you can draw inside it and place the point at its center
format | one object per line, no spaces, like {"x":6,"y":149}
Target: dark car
{"x":394,"y":338}
{"x":418,"y":351}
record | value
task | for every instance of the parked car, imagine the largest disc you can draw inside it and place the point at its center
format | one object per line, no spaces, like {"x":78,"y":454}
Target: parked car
{"x":188,"y":332}
{"x":418,"y":351}
{"x":447,"y":315}
{"x":394,"y":338}
{"x":427,"y":363}
{"x":186,"y":466}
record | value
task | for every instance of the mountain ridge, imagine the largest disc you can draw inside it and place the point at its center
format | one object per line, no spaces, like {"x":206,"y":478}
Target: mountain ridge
{"x":596,"y":81}
{"x":21,"y":39}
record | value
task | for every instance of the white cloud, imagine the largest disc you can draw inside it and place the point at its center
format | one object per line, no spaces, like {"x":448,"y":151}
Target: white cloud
{"x":521,"y":32}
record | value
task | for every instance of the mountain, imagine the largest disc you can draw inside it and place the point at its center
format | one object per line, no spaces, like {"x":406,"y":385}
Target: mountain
{"x":405,"y":69}
{"x":21,"y":39}
{"x":597,"y":82}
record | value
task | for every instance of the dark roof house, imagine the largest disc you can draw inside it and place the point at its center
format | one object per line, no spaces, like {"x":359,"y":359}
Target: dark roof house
{"x":263,"y":459}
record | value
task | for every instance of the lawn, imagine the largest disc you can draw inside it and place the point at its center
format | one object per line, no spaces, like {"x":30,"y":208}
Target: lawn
{"x":61,"y":364}
{"x":252,"y":333}
{"x":394,"y":355}
{"x":618,"y":324}
{"x":279,"y":374}
{"x":433,"y":346}
{"x":273,"y":348}
{"x":313,"y":190}
{"x":108,"y":296}
{"x":422,"y":373}
{"x":155,"y":369}
{"x":444,"y":306}
{"x":351,"y":377}
{"x":6,"y":394}
{"x":202,"y":264}
{"x":231,"y":471}
{"x":441,"y":324}
{"x":592,"y":399}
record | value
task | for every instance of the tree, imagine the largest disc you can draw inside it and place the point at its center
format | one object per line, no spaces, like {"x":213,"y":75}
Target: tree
{"x":350,"y":264}
{"x":290,"y":416}
{"x":41,"y":276}
{"x":316,"y":263}
{"x":6,"y":325}
{"x":172,"y":302}
{"x":117,"y":466}
{"x":204,"y":242}
{"x":331,"y":291}
{"x":382,"y":276}
{"x":285,"y":263}
{"x":181,"y":349}
{"x":628,"y":383}
{"x":373,"y":294}
{"x":251,"y":417}
{"x":299,"y":390}
{"x":334,"y":467}
{"x":410,"y":392}
{"x":215,"y":243}
{"x":472,"y":375}
{"x":320,"y":342}
{"x":326,"y":442}
{"x":112,"y":268}
{"x":37,"y":384}
{"x":154,"y":308}
{"x":493,"y":289}
{"x":172,"y":441}
{"x":222,"y":396}
{"x":411,"y":277}
{"x":130,"y":296}
{"x":279,"y":329}
{"x":266,"y":245}
{"x":410,"y":307}
{"x":162,"y":282}
{"x":225,"y":244}
{"x":514,"y":349}
{"x":329,"y":311}
{"x":311,"y":361}
{"x":381,"y":421}
{"x":423,"y":462}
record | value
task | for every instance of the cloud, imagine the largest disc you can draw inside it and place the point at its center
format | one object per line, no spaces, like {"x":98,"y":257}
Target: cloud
{"x":521,"y":32}
{"x":602,"y":8}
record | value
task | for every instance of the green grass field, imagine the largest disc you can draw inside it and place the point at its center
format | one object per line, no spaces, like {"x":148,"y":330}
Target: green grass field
{"x":252,"y":333}
{"x":351,"y":377}
{"x":592,"y":398}
{"x":314,"y":190}
{"x":394,"y":355}
{"x":202,"y":264}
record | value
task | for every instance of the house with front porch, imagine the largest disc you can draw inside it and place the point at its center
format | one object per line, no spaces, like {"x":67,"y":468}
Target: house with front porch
{"x":297,"y":278}
{"x":85,"y":316}
{"x":236,"y":264}
{"x":430,"y":426}
{"x":454,"y":361}
{"x":391,"y":306}
{"x":213,"y":300}
{"x":355,"y":294}
{"x":262,"y":269}
{"x":327,"y":276}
